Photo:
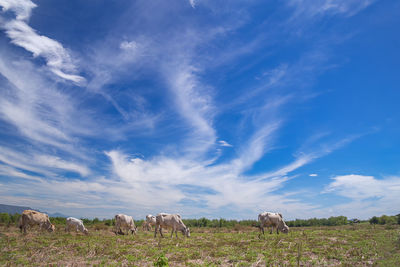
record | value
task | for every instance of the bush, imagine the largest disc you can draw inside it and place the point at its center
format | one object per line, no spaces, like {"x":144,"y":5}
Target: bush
{"x":4,"y":218}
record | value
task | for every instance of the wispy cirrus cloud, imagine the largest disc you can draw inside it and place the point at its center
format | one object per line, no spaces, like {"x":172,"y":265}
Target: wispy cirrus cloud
{"x":57,"y":58}
{"x":42,"y":164}
{"x":189,"y":82}
{"x":194,"y":104}
{"x":329,"y":7}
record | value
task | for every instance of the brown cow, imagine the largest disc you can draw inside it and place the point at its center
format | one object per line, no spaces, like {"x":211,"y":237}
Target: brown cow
{"x":32,"y":218}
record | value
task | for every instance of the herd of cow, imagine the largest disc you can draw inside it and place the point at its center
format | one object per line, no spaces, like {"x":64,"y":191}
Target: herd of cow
{"x":126,"y":223}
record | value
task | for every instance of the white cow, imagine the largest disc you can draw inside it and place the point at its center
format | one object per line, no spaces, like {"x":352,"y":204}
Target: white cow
{"x":126,"y":222}
{"x":76,"y":224}
{"x":150,"y":221}
{"x":274,"y":220}
{"x":173,"y":221}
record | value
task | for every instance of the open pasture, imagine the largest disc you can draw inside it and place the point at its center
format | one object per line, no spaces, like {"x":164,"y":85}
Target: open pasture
{"x":357,"y":245}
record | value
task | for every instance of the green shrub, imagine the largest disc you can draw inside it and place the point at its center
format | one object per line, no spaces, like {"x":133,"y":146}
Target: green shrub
{"x":161,"y":261}
{"x":4,"y":218}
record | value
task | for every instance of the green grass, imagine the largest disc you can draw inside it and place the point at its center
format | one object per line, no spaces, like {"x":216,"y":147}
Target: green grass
{"x":360,"y":245}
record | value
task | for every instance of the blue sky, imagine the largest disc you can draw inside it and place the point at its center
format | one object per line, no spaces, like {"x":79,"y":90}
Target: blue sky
{"x":203,"y":107}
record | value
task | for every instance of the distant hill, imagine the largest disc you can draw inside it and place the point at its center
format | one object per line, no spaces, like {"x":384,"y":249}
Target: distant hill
{"x":10,"y":209}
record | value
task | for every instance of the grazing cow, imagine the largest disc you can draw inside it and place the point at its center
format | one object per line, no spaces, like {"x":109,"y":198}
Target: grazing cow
{"x":173,"y":221}
{"x":76,"y":224}
{"x":32,"y":217}
{"x":126,"y":222}
{"x":273,"y":220}
{"x":150,"y":221}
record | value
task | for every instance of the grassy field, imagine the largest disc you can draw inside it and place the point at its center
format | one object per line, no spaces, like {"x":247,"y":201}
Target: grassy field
{"x":358,"y":245}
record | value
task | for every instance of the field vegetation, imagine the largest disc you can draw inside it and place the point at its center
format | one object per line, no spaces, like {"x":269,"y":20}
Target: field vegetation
{"x":361,"y":244}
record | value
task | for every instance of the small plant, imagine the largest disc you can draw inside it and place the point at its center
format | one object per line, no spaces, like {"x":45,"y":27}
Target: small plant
{"x":161,"y":261}
{"x":299,"y":252}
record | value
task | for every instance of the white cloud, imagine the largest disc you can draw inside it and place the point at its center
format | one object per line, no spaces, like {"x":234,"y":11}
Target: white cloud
{"x":368,"y":195}
{"x":193,"y":103}
{"x":313,"y":175}
{"x":36,"y":107}
{"x":224,"y":143}
{"x":56,"y":162}
{"x":21,"y":34}
{"x":256,"y":147}
{"x":358,"y":186}
{"x":42,"y":164}
{"x":132,"y":45}
{"x":216,"y":186}
{"x":192,"y":3}
{"x":22,"y":8}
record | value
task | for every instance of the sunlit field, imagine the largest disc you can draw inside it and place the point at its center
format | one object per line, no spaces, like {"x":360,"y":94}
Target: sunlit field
{"x":350,"y":245}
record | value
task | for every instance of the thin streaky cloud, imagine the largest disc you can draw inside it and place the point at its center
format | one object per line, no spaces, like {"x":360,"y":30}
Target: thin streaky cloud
{"x":21,"y":34}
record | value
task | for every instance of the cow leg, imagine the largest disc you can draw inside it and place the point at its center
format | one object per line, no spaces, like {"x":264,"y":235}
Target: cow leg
{"x":172,"y":232}
{"x":277,"y":231}
{"x":161,"y":232}
{"x":155,"y":231}
{"x":272,"y":229}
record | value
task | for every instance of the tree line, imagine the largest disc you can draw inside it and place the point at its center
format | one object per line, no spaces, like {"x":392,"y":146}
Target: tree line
{"x":12,"y":219}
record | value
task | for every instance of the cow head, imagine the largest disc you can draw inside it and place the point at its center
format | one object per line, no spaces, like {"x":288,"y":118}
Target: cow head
{"x":85,"y":231}
{"x":186,"y":232}
{"x":134,"y":230}
{"x":284,"y":229}
{"x":51,"y":227}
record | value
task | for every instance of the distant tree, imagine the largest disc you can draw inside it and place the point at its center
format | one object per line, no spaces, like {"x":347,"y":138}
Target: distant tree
{"x":374,"y":220}
{"x":384,"y":219}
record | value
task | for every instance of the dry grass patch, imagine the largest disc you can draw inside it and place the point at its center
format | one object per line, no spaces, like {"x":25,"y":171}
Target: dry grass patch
{"x":314,"y":246}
